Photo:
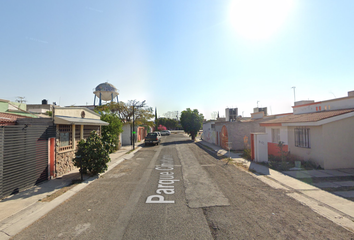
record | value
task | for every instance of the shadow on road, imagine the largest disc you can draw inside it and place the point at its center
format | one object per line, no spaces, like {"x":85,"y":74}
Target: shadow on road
{"x":176,"y":142}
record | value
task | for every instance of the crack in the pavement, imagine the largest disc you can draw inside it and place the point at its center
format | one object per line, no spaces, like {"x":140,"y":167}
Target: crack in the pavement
{"x":5,"y":233}
{"x":212,"y":225}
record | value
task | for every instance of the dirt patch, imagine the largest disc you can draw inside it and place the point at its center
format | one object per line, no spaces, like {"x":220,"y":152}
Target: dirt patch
{"x":56,"y":194}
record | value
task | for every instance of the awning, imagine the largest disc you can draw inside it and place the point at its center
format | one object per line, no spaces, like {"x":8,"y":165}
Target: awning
{"x":78,"y":121}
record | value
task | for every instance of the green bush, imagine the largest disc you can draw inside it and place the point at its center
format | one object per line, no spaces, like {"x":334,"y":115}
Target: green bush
{"x":93,"y":153}
{"x":110,"y":133}
{"x":247,"y":153}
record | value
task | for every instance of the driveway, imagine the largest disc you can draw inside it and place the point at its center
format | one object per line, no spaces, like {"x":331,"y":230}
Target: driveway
{"x":337,"y":181}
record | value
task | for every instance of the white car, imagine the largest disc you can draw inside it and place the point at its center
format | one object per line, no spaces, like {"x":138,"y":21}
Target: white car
{"x":165,"y":132}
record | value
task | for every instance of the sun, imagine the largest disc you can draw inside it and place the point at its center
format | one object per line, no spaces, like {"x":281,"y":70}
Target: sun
{"x":259,"y":19}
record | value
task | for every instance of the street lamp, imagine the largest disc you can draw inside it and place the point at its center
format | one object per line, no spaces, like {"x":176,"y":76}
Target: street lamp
{"x":136,"y":106}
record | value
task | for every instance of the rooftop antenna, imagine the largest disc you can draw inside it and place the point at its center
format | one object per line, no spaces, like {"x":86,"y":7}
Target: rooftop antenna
{"x":333,"y":94}
{"x":257,"y":103}
{"x":294,"y":94}
{"x":21,"y":99}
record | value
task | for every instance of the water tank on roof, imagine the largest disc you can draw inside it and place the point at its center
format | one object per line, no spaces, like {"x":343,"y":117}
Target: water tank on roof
{"x":44,"y":101}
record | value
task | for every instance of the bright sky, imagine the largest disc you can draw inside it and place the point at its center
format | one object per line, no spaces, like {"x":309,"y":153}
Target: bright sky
{"x":178,"y":54}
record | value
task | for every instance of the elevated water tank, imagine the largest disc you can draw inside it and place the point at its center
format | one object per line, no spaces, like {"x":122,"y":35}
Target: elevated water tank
{"x":105,"y":91}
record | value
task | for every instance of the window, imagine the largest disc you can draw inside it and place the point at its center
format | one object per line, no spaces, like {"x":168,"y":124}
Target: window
{"x":302,"y":137}
{"x":212,"y":126}
{"x":88,"y":129}
{"x":275,"y":135}
{"x":65,"y":141}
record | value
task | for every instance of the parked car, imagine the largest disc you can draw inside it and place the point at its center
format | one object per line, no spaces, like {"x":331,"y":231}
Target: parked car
{"x":165,"y":132}
{"x":153,"y":138}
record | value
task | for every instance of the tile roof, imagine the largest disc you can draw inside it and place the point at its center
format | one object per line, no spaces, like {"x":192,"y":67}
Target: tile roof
{"x":308,"y":117}
{"x":6,"y":118}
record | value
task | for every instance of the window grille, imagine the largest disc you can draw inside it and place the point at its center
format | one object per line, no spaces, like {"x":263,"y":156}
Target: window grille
{"x":302,"y":137}
{"x":65,"y":139}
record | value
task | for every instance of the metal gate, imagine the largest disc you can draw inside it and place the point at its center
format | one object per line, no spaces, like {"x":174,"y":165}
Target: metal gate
{"x":23,"y":157}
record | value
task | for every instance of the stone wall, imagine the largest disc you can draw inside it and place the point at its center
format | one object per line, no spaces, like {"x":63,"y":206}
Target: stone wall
{"x":63,"y":161}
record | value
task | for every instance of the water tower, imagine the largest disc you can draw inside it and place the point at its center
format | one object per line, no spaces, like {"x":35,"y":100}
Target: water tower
{"x":105,"y":91}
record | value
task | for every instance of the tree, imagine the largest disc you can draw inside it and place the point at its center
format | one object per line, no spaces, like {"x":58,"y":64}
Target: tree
{"x":167,"y":122}
{"x":124,"y":111}
{"x":110,"y":133}
{"x":192,"y":122}
{"x":93,"y":155}
{"x":161,"y":128}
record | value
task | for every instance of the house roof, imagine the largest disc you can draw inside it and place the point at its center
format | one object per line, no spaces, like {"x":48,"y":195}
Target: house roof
{"x":307,"y":117}
{"x":78,"y":121}
{"x":7,"y":118}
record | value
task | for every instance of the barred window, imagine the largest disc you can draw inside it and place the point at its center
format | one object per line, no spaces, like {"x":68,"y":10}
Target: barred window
{"x":65,"y":141}
{"x":302,"y":137}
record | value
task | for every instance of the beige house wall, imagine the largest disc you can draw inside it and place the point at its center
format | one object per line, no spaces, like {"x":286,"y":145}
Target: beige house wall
{"x":338,"y":140}
{"x":76,"y":112}
{"x":316,"y":151}
{"x":331,"y":145}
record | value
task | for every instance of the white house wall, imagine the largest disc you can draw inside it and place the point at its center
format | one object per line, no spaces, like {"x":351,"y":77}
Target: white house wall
{"x":283,"y":134}
{"x":261,"y":148}
{"x":335,"y":104}
{"x":126,"y":134}
{"x":209,"y":135}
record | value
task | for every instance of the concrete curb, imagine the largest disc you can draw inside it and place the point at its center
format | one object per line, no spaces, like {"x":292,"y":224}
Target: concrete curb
{"x":27,"y":216}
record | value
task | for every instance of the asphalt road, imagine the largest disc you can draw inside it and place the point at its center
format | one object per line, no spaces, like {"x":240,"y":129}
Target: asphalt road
{"x":176,"y":190}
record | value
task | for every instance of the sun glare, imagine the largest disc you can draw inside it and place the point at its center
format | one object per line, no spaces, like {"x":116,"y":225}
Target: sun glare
{"x":259,"y":19}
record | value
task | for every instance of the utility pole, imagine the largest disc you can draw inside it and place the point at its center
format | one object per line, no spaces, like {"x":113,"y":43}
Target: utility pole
{"x":294,"y":94}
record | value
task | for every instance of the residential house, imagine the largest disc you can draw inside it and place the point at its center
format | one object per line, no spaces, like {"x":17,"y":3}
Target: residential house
{"x":7,"y":119}
{"x":233,"y":132}
{"x":41,"y":110}
{"x":322,"y":132}
{"x":15,"y":108}
{"x":72,"y":125}
{"x":36,"y":149}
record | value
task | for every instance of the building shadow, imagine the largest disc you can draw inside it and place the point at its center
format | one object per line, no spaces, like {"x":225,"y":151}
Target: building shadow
{"x":177,"y":142}
{"x":45,"y":187}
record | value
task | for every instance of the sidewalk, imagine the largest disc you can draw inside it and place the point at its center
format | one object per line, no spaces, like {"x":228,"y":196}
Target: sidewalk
{"x":333,"y":207}
{"x":20,"y":210}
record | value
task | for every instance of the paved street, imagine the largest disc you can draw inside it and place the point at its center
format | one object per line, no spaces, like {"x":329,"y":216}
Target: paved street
{"x":177,"y":190}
